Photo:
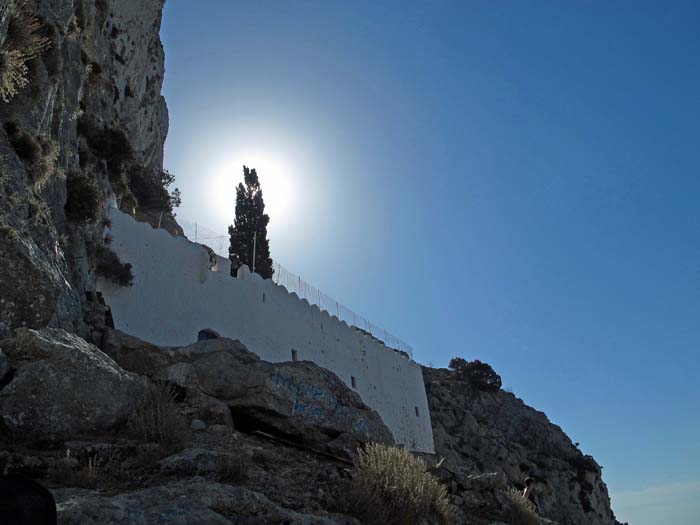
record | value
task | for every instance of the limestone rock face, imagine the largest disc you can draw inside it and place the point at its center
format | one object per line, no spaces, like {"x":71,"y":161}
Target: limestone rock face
{"x":64,"y":386}
{"x":105,"y":62}
{"x":297,"y":400}
{"x":481,"y":432}
{"x":179,"y":503}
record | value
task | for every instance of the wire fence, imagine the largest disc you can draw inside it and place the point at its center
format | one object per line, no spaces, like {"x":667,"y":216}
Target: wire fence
{"x":294,"y":283}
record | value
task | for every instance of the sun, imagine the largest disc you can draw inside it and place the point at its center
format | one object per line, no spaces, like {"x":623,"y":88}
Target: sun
{"x":275,"y":177}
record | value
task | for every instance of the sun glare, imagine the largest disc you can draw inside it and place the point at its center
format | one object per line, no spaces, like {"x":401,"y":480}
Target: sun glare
{"x":275,"y":180}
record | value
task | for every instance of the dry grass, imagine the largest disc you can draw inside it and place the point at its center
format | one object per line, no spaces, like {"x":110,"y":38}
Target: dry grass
{"x":26,"y":40}
{"x":158,"y":420}
{"x":391,"y":486}
{"x":40,"y":155}
{"x":47,"y":164}
{"x":69,"y":472}
{"x":522,"y":511}
{"x":236,"y":466}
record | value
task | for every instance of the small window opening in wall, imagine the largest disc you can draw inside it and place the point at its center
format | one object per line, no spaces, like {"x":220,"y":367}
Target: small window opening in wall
{"x":417,"y":413}
{"x":353,"y":381}
{"x":263,"y":297}
{"x":294,"y":355}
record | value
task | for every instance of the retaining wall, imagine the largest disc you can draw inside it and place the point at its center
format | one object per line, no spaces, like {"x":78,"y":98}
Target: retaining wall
{"x":180,"y":288}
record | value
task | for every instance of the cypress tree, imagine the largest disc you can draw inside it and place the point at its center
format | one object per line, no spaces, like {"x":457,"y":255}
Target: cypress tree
{"x":250,"y":222}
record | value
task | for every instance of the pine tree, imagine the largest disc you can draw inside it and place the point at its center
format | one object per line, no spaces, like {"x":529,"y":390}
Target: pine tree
{"x":250,"y":223}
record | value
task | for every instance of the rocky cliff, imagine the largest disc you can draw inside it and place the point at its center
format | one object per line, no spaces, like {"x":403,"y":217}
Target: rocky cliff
{"x":83,"y":121}
{"x":482,"y":432}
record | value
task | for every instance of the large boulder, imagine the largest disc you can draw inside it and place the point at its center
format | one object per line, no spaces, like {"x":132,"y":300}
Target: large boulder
{"x":296,"y":400}
{"x":138,"y":356}
{"x":64,"y":386}
{"x":299,"y":401}
{"x":180,"y":503}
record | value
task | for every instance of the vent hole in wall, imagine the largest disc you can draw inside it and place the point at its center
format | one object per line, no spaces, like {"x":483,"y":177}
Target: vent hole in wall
{"x":295,"y":356}
{"x":417,"y":412}
{"x":353,"y":381}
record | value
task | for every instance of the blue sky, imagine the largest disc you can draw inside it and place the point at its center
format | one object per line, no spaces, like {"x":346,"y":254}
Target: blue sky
{"x":516,"y":182}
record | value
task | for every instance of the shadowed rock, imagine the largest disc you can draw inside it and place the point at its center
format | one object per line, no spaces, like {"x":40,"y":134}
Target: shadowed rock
{"x":495,"y":432}
{"x":299,"y":401}
{"x":63,"y":386}
{"x":180,"y":503}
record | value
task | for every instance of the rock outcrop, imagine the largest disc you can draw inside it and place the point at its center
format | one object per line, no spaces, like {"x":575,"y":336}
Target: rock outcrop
{"x":96,"y":80}
{"x":299,"y":401}
{"x":495,"y":432}
{"x":63,"y":386}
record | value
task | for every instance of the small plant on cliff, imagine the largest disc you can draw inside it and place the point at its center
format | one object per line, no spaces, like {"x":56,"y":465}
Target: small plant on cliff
{"x":522,"y":511}
{"x":249,"y":231}
{"x":158,"y":420}
{"x":151,"y":189}
{"x":109,"y":144}
{"x":84,"y":200}
{"x":391,"y":486}
{"x":40,"y":154}
{"x":110,"y":267}
{"x":25,"y":41}
{"x":476,"y":373}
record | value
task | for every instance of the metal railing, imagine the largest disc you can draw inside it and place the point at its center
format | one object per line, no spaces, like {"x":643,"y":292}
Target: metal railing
{"x":294,"y":283}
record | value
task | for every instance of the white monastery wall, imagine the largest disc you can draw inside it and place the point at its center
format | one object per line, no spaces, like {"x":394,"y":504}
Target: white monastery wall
{"x":176,"y":293}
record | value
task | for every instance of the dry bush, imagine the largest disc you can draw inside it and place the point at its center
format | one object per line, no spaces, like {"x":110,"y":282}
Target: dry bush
{"x":96,"y":471}
{"x":522,"y":511}
{"x":26,"y":147}
{"x":236,"y":466}
{"x":158,"y":419}
{"x":39,"y":154}
{"x":25,"y":41}
{"x":46,"y":166}
{"x":391,"y":486}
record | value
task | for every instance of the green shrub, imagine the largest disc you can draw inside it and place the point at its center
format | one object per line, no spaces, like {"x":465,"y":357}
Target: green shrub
{"x":110,"y":267}
{"x":148,"y":189}
{"x":158,"y":420}
{"x":391,"y":486}
{"x":522,"y":511}
{"x":584,"y":463}
{"x":476,"y":373}
{"x":84,"y":201}
{"x":108,"y":144}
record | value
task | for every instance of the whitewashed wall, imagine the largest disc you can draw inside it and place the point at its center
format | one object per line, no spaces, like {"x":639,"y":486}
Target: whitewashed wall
{"x":176,"y":294}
